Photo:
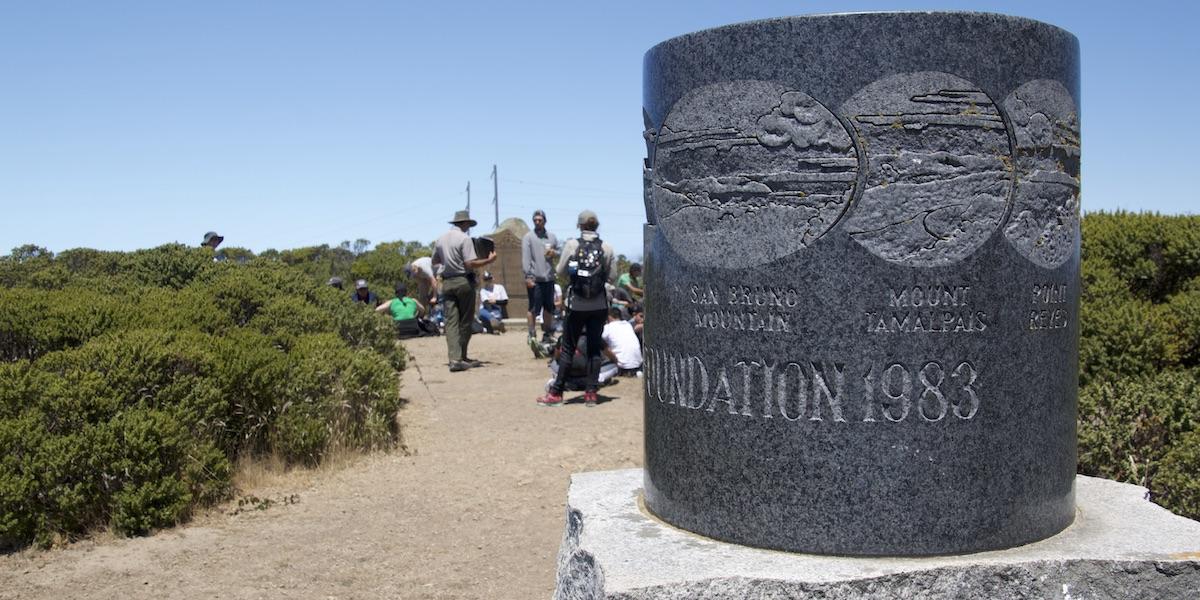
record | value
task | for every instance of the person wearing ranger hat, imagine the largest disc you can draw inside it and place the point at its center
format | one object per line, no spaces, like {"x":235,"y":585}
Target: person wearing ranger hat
{"x":212,"y":240}
{"x":454,"y":258}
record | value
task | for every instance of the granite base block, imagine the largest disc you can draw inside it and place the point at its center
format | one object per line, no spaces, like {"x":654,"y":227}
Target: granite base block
{"x":1119,"y":546}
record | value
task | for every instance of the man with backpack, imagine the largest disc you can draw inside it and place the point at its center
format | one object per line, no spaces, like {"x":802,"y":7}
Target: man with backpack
{"x":590,"y":263}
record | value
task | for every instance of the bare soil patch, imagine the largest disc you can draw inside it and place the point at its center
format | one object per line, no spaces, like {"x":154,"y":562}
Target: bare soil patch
{"x":473,"y":510}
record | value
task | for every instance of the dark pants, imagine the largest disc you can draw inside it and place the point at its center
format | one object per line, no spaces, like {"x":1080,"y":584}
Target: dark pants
{"x":579,"y":323}
{"x":459,"y":304}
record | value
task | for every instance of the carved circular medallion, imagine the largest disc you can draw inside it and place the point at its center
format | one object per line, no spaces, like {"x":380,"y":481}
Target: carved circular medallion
{"x":1044,"y":226}
{"x":746,"y":172}
{"x":939,"y":168}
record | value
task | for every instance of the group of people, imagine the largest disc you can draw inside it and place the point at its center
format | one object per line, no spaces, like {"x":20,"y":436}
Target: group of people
{"x":602,"y":311}
{"x":599,"y":313}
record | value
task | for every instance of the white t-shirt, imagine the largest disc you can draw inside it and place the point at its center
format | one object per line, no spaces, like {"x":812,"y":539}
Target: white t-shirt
{"x":557,"y":299}
{"x":496,"y":294}
{"x":621,"y":339}
{"x":425,"y":264}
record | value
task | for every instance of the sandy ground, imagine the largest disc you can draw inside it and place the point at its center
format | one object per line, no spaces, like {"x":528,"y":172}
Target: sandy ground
{"x":473,"y":510}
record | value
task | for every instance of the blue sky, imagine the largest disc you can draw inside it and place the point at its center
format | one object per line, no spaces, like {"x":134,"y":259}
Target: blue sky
{"x":282,"y":124}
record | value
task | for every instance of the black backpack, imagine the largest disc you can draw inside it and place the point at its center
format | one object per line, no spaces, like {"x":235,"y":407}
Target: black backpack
{"x":589,"y":270}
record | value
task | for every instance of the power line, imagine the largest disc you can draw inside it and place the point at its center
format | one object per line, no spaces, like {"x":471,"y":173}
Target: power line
{"x":565,"y":187}
{"x":359,"y":222}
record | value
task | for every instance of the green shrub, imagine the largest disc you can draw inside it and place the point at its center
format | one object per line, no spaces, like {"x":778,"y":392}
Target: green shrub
{"x":1152,"y":253}
{"x":369,"y":403}
{"x":301,"y":433}
{"x":251,"y":374}
{"x":20,"y":386}
{"x":1176,"y":485}
{"x":22,"y":438}
{"x":35,"y":322}
{"x":154,"y":369}
{"x":86,"y":262}
{"x":1127,"y":426}
{"x":308,"y":405}
{"x":153,"y":446}
{"x":1184,"y":311}
{"x":1139,"y":351}
{"x":189,"y":309}
{"x":171,"y":266}
{"x":1125,"y":339}
{"x":130,"y":382}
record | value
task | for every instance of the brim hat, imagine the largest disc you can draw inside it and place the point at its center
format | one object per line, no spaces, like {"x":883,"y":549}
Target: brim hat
{"x":210,"y":236}
{"x":361,"y":284}
{"x":464,"y":216}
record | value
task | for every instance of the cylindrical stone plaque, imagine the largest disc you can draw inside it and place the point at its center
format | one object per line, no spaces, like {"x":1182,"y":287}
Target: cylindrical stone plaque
{"x":863,"y":281}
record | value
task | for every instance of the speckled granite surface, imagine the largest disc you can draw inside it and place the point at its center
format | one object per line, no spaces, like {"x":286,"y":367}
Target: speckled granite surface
{"x":1119,"y":546}
{"x":863,"y":281}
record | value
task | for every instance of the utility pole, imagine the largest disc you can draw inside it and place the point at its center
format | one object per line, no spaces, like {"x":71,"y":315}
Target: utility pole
{"x":468,"y":196}
{"x":496,"y":195}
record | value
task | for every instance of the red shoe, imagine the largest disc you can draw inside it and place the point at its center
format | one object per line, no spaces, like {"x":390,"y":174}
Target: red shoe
{"x":589,"y":399}
{"x":550,"y":399}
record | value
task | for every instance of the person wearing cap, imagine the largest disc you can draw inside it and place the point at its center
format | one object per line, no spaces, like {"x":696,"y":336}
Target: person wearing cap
{"x":364,"y":294}
{"x":491,"y":295}
{"x":539,"y":249}
{"x":211,"y":240}
{"x":454,"y":257}
{"x":585,"y":316}
{"x":334,"y":282}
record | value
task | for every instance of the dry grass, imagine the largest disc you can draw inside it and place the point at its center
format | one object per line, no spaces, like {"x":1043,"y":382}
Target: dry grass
{"x":264,"y":474}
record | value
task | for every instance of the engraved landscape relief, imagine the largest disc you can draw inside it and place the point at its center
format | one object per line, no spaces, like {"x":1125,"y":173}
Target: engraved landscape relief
{"x":939,"y":168}
{"x":1044,"y":226}
{"x":746,"y":172}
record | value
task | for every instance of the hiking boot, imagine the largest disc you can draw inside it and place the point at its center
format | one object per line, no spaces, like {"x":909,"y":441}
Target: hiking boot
{"x":458,"y":365}
{"x":590,"y":399}
{"x":551,"y":399}
{"x":472,"y":363}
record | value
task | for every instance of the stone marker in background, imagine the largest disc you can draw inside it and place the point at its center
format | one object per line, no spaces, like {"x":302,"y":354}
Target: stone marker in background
{"x":863,"y":282}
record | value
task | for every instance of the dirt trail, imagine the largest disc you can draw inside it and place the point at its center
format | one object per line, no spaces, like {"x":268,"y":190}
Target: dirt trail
{"x":474,"y":511}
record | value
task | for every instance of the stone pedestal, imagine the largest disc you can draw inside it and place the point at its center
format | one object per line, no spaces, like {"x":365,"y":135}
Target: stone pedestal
{"x":862,"y":275}
{"x":1119,"y":546}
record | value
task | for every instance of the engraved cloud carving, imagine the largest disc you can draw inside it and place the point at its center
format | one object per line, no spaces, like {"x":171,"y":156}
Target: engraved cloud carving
{"x":746,"y":172}
{"x":1044,"y":226}
{"x":939,"y":168}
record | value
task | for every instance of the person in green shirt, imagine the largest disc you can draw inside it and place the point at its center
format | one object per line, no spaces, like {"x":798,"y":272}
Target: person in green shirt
{"x":632,"y":282}
{"x":404,"y":311}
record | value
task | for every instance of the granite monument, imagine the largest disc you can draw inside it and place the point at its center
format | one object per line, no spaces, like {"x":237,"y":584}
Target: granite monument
{"x":862,"y":282}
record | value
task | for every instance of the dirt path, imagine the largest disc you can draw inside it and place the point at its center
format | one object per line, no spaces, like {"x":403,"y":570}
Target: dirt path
{"x":474,"y":511}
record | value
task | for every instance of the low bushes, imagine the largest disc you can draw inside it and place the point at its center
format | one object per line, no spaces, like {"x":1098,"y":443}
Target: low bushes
{"x":130,"y":386}
{"x":1139,"y":354}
